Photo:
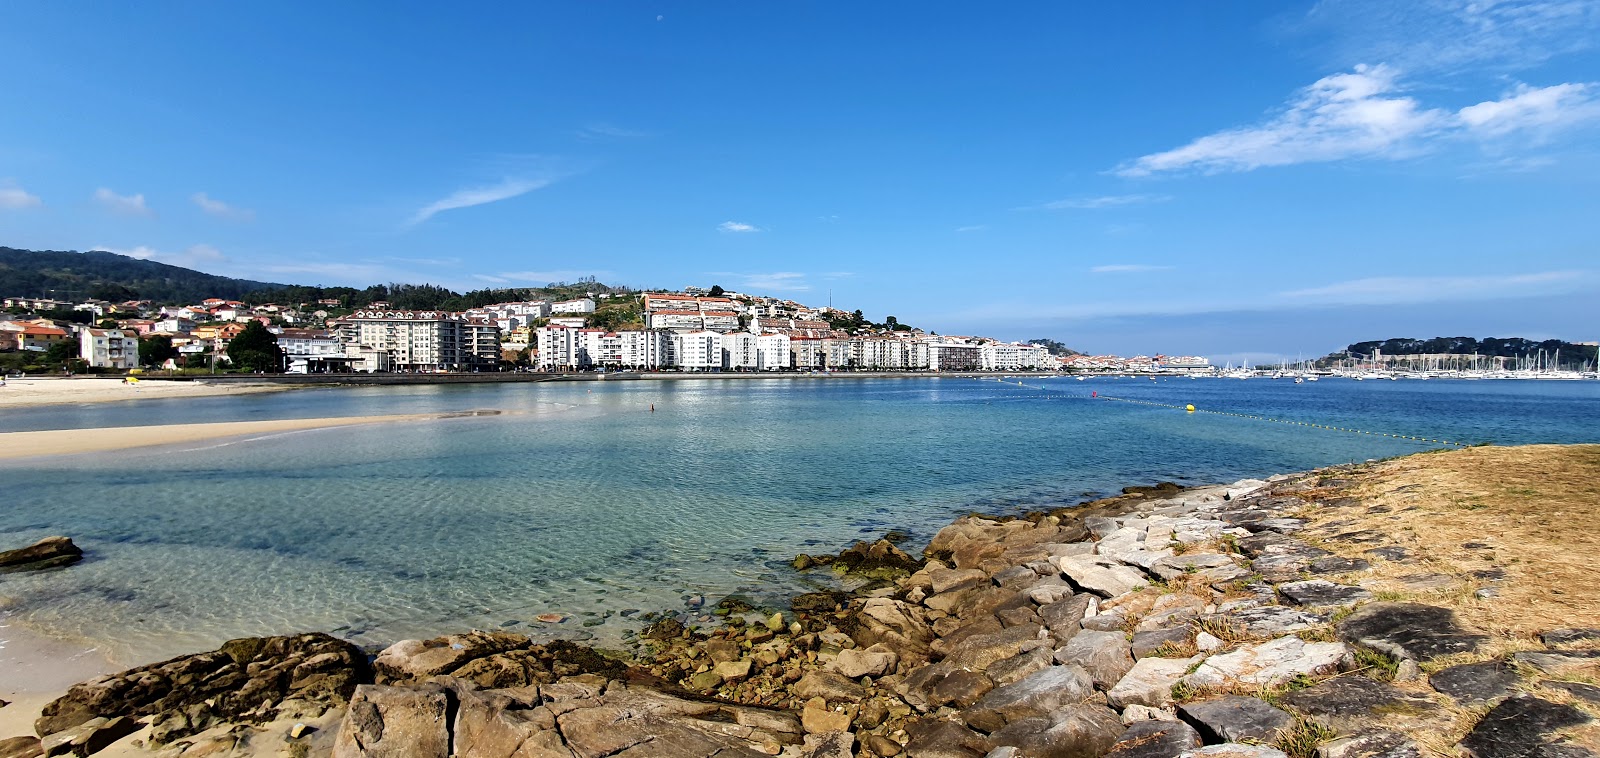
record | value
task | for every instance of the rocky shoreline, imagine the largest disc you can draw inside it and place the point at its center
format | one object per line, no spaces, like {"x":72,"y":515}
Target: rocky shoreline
{"x":1212,"y":621}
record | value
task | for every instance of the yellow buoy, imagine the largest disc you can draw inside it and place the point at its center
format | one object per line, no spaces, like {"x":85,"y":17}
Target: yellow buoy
{"x":1189,"y":408}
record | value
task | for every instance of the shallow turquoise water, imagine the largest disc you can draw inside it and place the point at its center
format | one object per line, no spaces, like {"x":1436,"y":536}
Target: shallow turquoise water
{"x":579,"y":500}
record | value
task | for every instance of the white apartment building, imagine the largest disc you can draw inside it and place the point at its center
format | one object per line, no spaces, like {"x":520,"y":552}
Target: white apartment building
{"x":773,"y":352}
{"x":1011,"y":356}
{"x":952,"y":356}
{"x":310,"y":351}
{"x":558,"y":348}
{"x":581,"y":305}
{"x":697,"y":351}
{"x":807,"y":353}
{"x":424,"y":340}
{"x":109,"y":348}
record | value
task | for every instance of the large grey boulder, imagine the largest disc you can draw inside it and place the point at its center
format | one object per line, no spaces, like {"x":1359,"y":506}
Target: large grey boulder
{"x":1035,"y":695}
{"x":494,"y":725}
{"x":1101,"y":576}
{"x":938,"y":738}
{"x":1409,"y":631}
{"x":1476,"y":682}
{"x":900,"y":626}
{"x":414,"y":660}
{"x":1175,"y":566}
{"x":1071,"y":731}
{"x":1234,"y":718}
{"x":46,"y":553}
{"x":394,"y":722}
{"x":1271,"y":663}
{"x":1155,"y":739}
{"x":643,"y":724}
{"x":1063,"y":617}
{"x":1149,"y":682}
{"x":1321,"y":593}
{"x":1519,"y":727}
{"x":1350,"y":704}
{"x":979,"y":651}
{"x":1380,"y":744}
{"x":1105,"y":655}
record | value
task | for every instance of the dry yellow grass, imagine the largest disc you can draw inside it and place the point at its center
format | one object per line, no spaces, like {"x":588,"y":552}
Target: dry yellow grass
{"x":1532,"y":512}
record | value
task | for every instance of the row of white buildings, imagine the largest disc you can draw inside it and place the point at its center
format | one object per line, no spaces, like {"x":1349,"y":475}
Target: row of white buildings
{"x":573,"y":349}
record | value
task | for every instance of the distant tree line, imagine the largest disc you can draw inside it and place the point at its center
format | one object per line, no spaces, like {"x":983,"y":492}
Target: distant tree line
{"x":1572,"y":354}
{"x":1055,"y":348}
{"x":98,"y":275}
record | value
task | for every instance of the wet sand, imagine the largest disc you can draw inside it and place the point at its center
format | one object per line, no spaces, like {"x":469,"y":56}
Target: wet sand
{"x":30,"y":392}
{"x":15,"y":445}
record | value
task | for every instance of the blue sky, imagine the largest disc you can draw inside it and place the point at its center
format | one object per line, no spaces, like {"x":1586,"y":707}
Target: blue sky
{"x":1241,"y":179}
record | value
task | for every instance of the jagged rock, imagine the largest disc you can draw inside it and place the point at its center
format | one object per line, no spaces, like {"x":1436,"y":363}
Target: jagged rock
{"x":1321,"y":593}
{"x":877,"y":744}
{"x":979,"y":651}
{"x":394,"y":722}
{"x":1348,"y":703}
{"x":242,"y":681}
{"x":830,"y":686}
{"x":1063,"y":618}
{"x":1233,"y":718}
{"x":1271,"y":620}
{"x":732,"y":671}
{"x":1144,"y":644}
{"x":1050,"y":590}
{"x":1101,"y":526}
{"x":1559,"y":637}
{"x":1178,"y":565}
{"x":1110,"y":621}
{"x":1036,"y":695}
{"x":937,"y":738}
{"x":1155,"y":739}
{"x":493,"y":725}
{"x":414,"y":660}
{"x":1371,"y":745}
{"x":1105,"y":655}
{"x":1019,"y":666}
{"x":46,"y":553}
{"x":874,"y":661}
{"x":818,"y":719}
{"x":88,"y":738}
{"x":1017,"y":578}
{"x":1475,"y":682}
{"x":1560,"y":662}
{"x":1136,"y":713}
{"x":812,"y":602}
{"x":629,"y":723}
{"x":1409,"y":631}
{"x":961,"y":688}
{"x":949,"y":580}
{"x":1270,"y":663}
{"x":1335,"y":564}
{"x":1149,"y":682}
{"x":1010,"y":617}
{"x":901,"y":626}
{"x":1072,"y":731}
{"x":1100,"y":576}
{"x":21,"y":747}
{"x":1519,"y":726}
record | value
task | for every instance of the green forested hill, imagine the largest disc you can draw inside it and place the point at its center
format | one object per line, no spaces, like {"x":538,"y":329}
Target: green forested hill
{"x":109,"y":276}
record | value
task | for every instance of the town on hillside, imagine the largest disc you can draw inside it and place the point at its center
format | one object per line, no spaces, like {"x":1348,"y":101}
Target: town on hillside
{"x":694,"y":330}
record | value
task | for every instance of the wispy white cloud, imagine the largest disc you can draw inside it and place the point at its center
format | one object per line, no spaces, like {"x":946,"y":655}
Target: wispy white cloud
{"x":1361,"y":115}
{"x":603,"y":131}
{"x":1127,"y":268}
{"x":125,"y":205}
{"x":15,"y":198}
{"x":1450,"y":35}
{"x":973,"y":228}
{"x":472,"y":196}
{"x":738,"y":227}
{"x":1541,"y":110}
{"x":776,"y":281}
{"x":491,"y":279}
{"x":1352,"y":115}
{"x":220,"y":209}
{"x":1104,"y":201}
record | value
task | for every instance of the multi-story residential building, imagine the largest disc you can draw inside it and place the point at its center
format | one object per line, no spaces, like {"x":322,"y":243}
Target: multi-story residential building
{"x":581,"y":305}
{"x":697,"y":351}
{"x":952,"y":356}
{"x":109,"y":348}
{"x":807,"y":353}
{"x":558,"y":348}
{"x":173,"y":325}
{"x":1011,"y":356}
{"x":773,"y":352}
{"x":739,"y":351}
{"x":837,"y":354}
{"x":312,"y":351}
{"x":30,"y":337}
{"x":424,"y":340}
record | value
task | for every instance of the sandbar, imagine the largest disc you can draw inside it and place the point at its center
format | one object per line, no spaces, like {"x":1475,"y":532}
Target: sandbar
{"x":26,"y":393}
{"x":74,"y":441}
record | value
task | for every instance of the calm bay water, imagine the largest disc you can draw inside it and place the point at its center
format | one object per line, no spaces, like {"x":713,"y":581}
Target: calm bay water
{"x":580,"y":500}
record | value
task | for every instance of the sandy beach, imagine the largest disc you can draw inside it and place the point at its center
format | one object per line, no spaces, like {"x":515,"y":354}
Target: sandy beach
{"x":73,"y":441}
{"x":26,"y":393}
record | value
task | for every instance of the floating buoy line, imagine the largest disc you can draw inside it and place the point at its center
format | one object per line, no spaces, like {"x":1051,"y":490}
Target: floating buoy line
{"x":1190,"y":408}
